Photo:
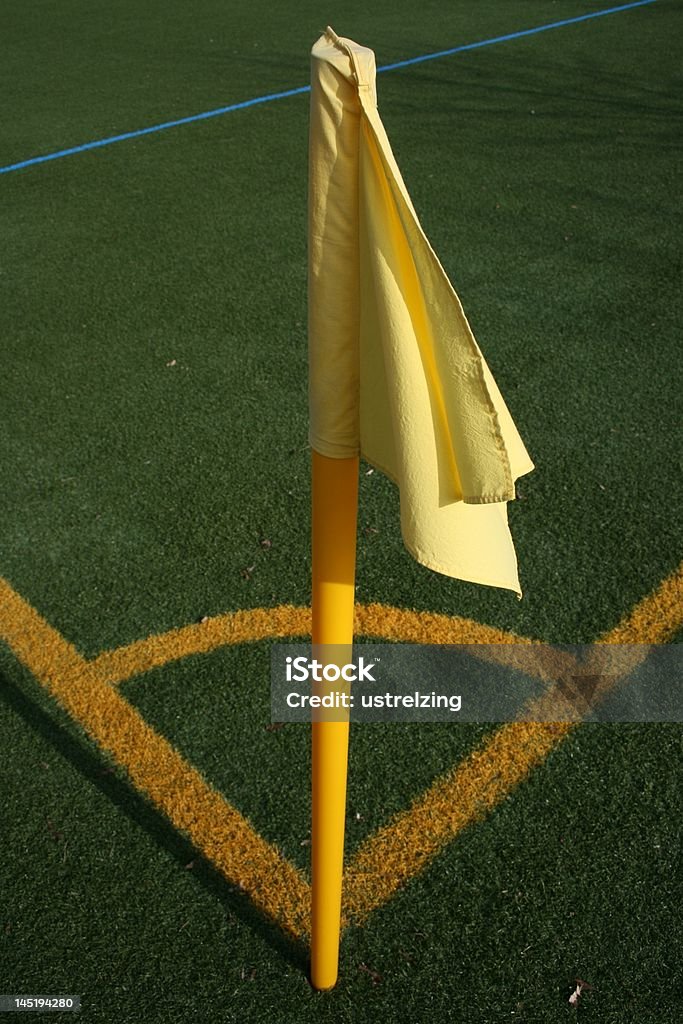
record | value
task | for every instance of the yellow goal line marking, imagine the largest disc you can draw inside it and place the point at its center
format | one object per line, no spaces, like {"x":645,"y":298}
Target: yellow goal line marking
{"x":155,"y":768}
{"x":403,"y":848}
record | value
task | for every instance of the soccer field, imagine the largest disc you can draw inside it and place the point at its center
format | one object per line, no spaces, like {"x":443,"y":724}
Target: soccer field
{"x":155,"y":515}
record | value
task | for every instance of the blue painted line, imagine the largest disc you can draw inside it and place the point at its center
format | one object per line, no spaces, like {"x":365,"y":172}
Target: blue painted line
{"x":513,"y":35}
{"x":153,"y":128}
{"x":306,"y":88}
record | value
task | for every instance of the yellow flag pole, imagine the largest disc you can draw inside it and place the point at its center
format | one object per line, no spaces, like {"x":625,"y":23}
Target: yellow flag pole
{"x":335,"y":504}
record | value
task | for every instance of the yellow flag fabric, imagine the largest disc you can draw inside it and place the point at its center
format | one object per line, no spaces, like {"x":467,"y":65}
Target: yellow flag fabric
{"x":395,"y":373}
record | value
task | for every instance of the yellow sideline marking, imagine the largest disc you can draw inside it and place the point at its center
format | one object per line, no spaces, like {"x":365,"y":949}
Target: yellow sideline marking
{"x":386,"y":860}
{"x":216,"y":828}
{"x":403,"y":847}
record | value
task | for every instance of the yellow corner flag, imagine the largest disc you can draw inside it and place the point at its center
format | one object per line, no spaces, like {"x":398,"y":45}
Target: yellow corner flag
{"x":395,"y":375}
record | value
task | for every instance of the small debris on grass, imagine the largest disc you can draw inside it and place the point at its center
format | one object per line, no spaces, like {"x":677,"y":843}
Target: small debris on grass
{"x":190,"y":864}
{"x":369,"y":530}
{"x":173,"y":362}
{"x":369,"y":472}
{"x":247,"y":572}
{"x":576,"y":994}
{"x":265,"y":543}
{"x":54,"y":832}
{"x":244,"y":976}
{"x":375,"y":976}
{"x":273,"y":726}
{"x":204,"y":618}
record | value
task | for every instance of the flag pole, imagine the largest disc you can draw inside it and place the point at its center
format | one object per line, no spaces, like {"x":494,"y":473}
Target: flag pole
{"x":335,"y":505}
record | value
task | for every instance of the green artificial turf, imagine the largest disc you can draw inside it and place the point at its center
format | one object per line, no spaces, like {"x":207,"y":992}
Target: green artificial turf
{"x":573,"y":876}
{"x":153,"y":433}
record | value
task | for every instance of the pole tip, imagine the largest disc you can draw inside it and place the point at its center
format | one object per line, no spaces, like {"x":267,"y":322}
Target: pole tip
{"x":321,"y":979}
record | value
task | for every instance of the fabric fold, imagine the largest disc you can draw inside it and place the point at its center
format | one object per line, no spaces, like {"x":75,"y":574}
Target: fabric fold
{"x":395,"y":373}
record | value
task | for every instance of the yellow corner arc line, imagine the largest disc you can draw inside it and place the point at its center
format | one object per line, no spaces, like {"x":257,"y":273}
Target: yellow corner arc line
{"x":288,"y":621}
{"x":387,"y":860}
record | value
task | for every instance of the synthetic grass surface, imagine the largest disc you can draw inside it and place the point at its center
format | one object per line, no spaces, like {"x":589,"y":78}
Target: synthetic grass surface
{"x":574,"y":876}
{"x":136,"y":493}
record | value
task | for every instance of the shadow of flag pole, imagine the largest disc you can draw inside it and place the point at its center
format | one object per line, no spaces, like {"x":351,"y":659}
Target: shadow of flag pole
{"x":395,"y":375}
